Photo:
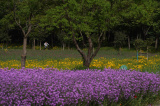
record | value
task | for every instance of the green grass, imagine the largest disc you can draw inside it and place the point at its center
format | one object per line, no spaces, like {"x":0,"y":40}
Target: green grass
{"x":109,"y":53}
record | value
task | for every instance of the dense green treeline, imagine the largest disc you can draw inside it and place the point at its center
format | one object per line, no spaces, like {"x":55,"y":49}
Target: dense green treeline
{"x":81,"y":23}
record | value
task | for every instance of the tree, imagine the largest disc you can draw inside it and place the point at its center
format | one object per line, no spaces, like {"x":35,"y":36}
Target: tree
{"x":23,"y":13}
{"x":156,"y":25}
{"x":87,"y":21}
{"x":138,"y":43}
{"x":64,"y":38}
{"x":38,"y":33}
{"x":5,"y":20}
{"x":119,"y":40}
{"x":147,"y":44}
{"x":138,"y":18}
{"x":4,"y":32}
{"x":4,"y":37}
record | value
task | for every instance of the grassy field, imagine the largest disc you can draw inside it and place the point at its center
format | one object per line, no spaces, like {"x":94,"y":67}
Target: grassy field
{"x":71,"y":59}
{"x":109,"y":53}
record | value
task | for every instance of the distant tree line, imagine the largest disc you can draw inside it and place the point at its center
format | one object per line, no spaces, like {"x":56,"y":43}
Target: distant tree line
{"x":82,"y":24}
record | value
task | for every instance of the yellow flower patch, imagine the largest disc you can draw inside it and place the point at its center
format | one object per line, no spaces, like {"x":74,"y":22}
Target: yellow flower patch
{"x":71,"y":63}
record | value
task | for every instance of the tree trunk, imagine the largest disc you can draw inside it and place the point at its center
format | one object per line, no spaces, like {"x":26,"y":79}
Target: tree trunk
{"x":86,"y":62}
{"x":156,"y":42}
{"x":119,"y":51}
{"x":109,"y":35}
{"x":2,"y":45}
{"x":40,"y":44}
{"x":68,"y":46}
{"x":52,"y":41}
{"x":104,"y":37}
{"x":23,"y":56}
{"x":63,"y":45}
{"x":147,"y":52}
{"x":90,"y":55}
{"x":6,"y":44}
{"x":93,"y":49}
{"x":37,"y":43}
{"x":129,"y":43}
{"x":25,"y":33}
{"x":33,"y":44}
{"x":145,"y":31}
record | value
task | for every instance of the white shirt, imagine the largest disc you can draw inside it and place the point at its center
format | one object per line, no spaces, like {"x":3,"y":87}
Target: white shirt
{"x":46,"y":44}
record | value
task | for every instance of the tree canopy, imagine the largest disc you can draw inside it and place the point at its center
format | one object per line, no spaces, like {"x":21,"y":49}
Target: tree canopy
{"x":81,"y":23}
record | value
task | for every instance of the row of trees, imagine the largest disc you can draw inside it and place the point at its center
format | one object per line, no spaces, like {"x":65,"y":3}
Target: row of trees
{"x":85,"y":22}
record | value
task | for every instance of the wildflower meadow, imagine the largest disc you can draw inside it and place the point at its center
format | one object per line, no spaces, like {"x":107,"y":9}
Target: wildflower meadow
{"x":142,"y":64}
{"x":65,"y":82}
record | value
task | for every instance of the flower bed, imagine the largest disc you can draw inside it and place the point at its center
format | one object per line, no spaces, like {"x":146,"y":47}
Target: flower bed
{"x":52,"y":87}
{"x":152,"y":65}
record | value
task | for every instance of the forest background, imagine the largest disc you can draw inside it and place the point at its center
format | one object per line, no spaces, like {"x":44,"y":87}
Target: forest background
{"x":89,"y":24}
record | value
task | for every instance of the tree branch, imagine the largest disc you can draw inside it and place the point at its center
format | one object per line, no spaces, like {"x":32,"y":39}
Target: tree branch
{"x":18,"y":23}
{"x":99,"y":46}
{"x":99,"y":38}
{"x":77,"y":46}
{"x":29,"y":25}
{"x":83,"y":39}
{"x":145,"y":30}
{"x":90,"y":48}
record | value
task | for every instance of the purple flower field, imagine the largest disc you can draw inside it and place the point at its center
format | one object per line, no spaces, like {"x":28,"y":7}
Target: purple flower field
{"x":53,"y":87}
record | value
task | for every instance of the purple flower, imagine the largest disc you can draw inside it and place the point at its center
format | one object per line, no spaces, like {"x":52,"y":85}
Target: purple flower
{"x":51,"y":87}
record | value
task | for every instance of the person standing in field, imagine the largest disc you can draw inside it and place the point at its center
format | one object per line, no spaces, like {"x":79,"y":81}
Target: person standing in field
{"x":45,"y":45}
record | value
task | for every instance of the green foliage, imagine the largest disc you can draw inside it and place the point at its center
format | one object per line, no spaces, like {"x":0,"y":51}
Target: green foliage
{"x":5,"y":21}
{"x":38,"y":33}
{"x":120,"y":39}
{"x":4,"y":37}
{"x":63,"y":36}
{"x":85,"y":16}
{"x":148,"y":42}
{"x":140,"y":13}
{"x":156,"y":24}
{"x":138,"y":43}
